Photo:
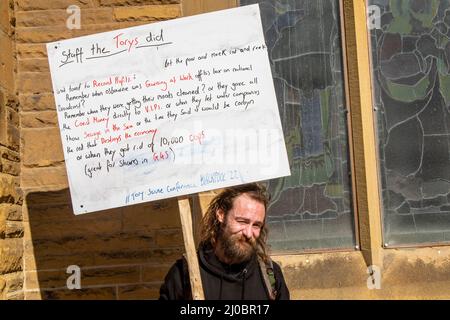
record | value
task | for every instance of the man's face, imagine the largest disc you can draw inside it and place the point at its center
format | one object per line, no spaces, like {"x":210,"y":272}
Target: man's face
{"x":241,"y":227}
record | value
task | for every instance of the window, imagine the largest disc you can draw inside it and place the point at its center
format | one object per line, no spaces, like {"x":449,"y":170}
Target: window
{"x":311,"y":209}
{"x":411,"y":92}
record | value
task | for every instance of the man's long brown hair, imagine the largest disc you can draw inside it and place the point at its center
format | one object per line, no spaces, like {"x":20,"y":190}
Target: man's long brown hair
{"x":211,"y":225}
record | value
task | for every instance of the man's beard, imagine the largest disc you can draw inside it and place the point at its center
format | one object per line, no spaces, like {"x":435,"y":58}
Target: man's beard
{"x":236,"y":247}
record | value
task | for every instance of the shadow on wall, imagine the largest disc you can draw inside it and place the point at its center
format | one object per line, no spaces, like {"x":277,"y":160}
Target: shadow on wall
{"x":122,"y":253}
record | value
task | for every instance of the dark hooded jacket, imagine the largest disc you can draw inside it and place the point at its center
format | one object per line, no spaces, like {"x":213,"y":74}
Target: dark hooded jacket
{"x":222,"y":281}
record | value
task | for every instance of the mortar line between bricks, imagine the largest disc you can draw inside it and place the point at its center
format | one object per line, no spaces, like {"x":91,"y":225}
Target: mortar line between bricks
{"x":167,"y":264}
{"x":96,"y":286}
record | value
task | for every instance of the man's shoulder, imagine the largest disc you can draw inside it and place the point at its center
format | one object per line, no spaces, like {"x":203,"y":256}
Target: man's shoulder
{"x":176,"y":269}
{"x":277,"y":268}
{"x":173,"y":287}
{"x":275,"y":264}
{"x":179,"y":263}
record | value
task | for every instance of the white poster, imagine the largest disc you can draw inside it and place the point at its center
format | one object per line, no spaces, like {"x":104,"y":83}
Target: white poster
{"x":167,"y":109}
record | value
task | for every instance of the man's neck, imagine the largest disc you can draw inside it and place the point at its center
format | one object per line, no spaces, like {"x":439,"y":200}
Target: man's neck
{"x":219,"y":252}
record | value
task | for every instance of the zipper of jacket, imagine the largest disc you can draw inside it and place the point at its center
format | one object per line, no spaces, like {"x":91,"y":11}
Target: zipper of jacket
{"x":244,"y":274}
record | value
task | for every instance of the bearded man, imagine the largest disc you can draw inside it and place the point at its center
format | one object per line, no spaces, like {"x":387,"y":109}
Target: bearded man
{"x":233,"y":259}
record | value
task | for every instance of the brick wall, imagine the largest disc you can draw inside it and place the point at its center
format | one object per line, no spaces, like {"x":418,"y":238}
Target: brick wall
{"x":122,"y":253}
{"x":11,"y":226}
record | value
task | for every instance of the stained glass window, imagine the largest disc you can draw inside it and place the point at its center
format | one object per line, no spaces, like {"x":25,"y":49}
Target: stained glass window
{"x":312,"y":208}
{"x":411,"y":83}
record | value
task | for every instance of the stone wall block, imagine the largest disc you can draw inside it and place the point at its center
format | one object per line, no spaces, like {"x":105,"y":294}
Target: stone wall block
{"x":9,"y":192}
{"x":9,"y":161}
{"x":104,"y":293}
{"x":33,"y":261}
{"x":5,"y":17}
{"x":140,"y":291}
{"x":152,"y":273}
{"x":28,"y":5}
{"x":13,"y":103}
{"x":157,"y":255}
{"x":2,"y":288}
{"x":13,"y":137}
{"x":14,"y":229}
{"x":59,"y":17}
{"x":40,"y":119}
{"x":11,"y":251}
{"x":44,"y":178}
{"x":34,"y":82}
{"x":6,"y":62}
{"x":169,"y":238}
{"x":101,"y":244}
{"x":137,"y":2}
{"x":11,"y":167}
{"x":41,"y":147}
{"x":52,"y":279}
{"x":149,"y":216}
{"x":37,"y":102}
{"x":33,"y":65}
{"x":3,"y":123}
{"x":77,"y":228}
{"x":12,"y":116}
{"x":11,"y":212}
{"x":31,"y":50}
{"x":152,"y":12}
{"x":14,"y":286}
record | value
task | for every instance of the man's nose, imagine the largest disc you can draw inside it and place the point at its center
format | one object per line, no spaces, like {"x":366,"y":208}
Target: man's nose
{"x":248,"y":232}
